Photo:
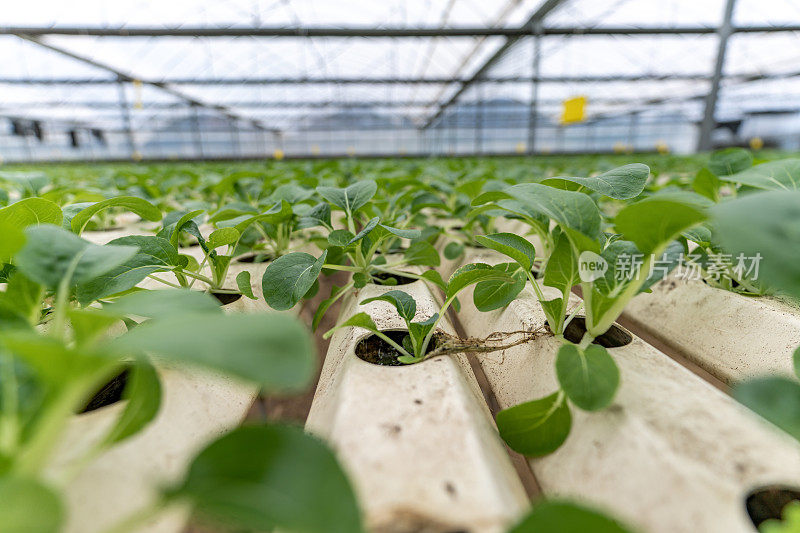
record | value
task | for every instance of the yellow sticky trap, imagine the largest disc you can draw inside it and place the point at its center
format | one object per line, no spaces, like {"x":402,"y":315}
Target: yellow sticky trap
{"x":351,"y":151}
{"x":520,"y":148}
{"x":619,"y":147}
{"x":315,"y":149}
{"x":136,"y":155}
{"x":756,"y":143}
{"x":278,"y":154}
{"x":662,"y":147}
{"x":574,"y":110}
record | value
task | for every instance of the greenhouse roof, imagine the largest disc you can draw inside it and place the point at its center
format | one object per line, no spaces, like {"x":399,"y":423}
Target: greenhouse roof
{"x":275,"y":63}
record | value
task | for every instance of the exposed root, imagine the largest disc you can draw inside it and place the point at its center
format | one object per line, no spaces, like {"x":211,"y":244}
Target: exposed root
{"x":497,"y":341}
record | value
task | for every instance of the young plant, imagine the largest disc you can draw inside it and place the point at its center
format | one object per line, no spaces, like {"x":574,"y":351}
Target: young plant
{"x":414,"y":347}
{"x":588,"y":376}
{"x":54,"y":356}
{"x":292,"y":277}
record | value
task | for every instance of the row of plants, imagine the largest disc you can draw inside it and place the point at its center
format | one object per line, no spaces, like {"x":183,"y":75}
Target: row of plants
{"x":72,"y":319}
{"x":63,"y":296}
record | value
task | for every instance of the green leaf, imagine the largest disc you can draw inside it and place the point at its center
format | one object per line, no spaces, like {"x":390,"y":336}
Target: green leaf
{"x":453,"y":250}
{"x":730,"y":161}
{"x":403,"y":233}
{"x":796,"y":361}
{"x":653,"y":222}
{"x":244,"y":285}
{"x":163,"y":303}
{"x":353,"y":197}
{"x":154,"y":255}
{"x":51,"y":253}
{"x":273,"y":350}
{"x":364,"y":231}
{"x":766,"y":224}
{"x":622,"y":183}
{"x":27,"y":506}
{"x":222,"y":237}
{"x":775,"y":398}
{"x":271,"y":477}
{"x":88,"y":325}
{"x":134,"y":204}
{"x":489,"y":197}
{"x":340,"y":237}
{"x":575,"y":212}
{"x":288,"y":278}
{"x":358,"y":320}
{"x":404,"y":303}
{"x":783,"y":174}
{"x":554,"y":516}
{"x":495,"y":294}
{"x":173,"y":231}
{"x":537,"y":427}
{"x":421,"y":253}
{"x":319,"y":215}
{"x":473,"y":273}
{"x":434,"y":277}
{"x":516,"y":247}
{"x":589,"y":377}
{"x":30,"y":212}
{"x":706,"y":184}
{"x":143,"y":395}
{"x":561,"y":271}
{"x":12,"y":241}
{"x":323,"y":307}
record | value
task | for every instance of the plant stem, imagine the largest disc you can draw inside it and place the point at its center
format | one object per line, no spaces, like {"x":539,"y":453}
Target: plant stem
{"x":612,"y":313}
{"x":165,"y":282}
{"x":571,"y":316}
{"x":393,"y":344}
{"x":200,"y":277}
{"x":342,"y":267}
{"x":52,"y":421}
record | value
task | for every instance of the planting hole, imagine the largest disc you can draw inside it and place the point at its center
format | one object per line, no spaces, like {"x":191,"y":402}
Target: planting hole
{"x":110,"y":393}
{"x":399,"y":280}
{"x":613,"y":338}
{"x":225,"y":298}
{"x":255,"y":258}
{"x":768,"y":502}
{"x":377,"y":351}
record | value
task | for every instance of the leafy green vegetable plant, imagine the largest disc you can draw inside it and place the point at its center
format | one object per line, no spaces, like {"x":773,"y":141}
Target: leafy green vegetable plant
{"x":54,"y":356}
{"x":290,"y":278}
{"x":582,"y":253}
{"x":414,"y":347}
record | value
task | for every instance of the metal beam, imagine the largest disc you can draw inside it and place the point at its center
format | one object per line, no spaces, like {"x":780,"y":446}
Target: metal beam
{"x":680,"y":76}
{"x":709,"y":122}
{"x":199,"y":31}
{"x":126,"y":118}
{"x":125,"y":76}
{"x":536,"y":18}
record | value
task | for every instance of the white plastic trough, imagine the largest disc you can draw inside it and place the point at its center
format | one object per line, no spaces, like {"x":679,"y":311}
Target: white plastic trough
{"x":417,"y":441}
{"x":729,"y":335}
{"x":671,"y":454}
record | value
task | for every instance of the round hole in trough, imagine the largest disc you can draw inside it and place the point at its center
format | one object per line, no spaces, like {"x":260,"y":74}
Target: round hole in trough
{"x":613,"y":338}
{"x":225,"y":298}
{"x":255,"y":258}
{"x":399,"y":280}
{"x":377,"y":351}
{"x":109,"y":393}
{"x":767,"y":503}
